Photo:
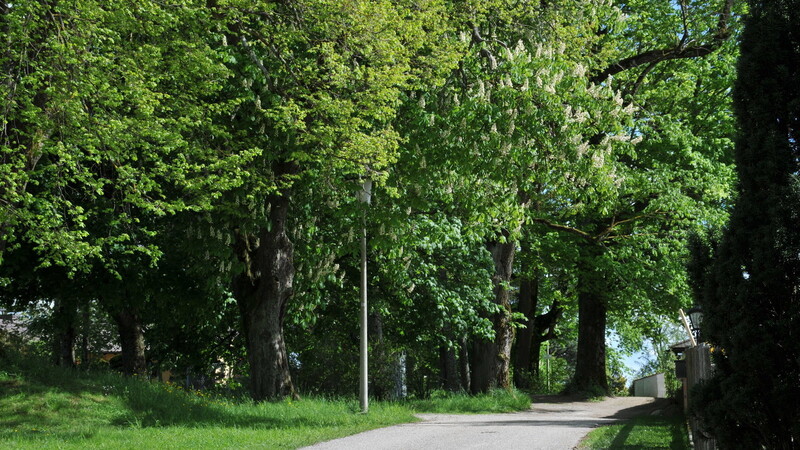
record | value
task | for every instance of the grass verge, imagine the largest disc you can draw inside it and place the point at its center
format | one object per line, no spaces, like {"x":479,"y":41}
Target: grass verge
{"x":47,"y":407}
{"x":647,"y":432}
{"x":496,"y":401}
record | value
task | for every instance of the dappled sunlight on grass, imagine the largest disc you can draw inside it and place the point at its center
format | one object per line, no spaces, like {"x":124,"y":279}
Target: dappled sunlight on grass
{"x":47,"y":407}
{"x":650,"y":432}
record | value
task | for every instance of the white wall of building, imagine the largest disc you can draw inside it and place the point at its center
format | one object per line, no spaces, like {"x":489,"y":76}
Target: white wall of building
{"x":652,"y":386}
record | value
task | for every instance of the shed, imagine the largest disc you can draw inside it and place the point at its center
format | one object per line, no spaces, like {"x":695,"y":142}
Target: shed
{"x":650,"y":386}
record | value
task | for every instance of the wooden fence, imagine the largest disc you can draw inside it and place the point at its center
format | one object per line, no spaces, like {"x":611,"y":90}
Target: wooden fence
{"x":698,"y":367}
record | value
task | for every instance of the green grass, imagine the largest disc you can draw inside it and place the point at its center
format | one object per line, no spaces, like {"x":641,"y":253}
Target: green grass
{"x":496,"y":401}
{"x":648,"y":432}
{"x":47,"y":407}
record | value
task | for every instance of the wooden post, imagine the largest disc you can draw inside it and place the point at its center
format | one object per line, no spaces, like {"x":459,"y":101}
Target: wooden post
{"x":698,"y":368}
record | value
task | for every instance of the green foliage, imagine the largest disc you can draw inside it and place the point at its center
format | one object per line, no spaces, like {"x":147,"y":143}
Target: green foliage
{"x":142,"y":143}
{"x":660,"y":359}
{"x":750,"y":293}
{"x":103,"y":121}
{"x":557,"y":360}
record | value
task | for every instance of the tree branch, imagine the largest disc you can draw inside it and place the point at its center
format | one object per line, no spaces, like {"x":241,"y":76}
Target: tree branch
{"x":641,"y":78}
{"x":680,"y":51}
{"x":615,"y":223}
{"x":564,"y":228}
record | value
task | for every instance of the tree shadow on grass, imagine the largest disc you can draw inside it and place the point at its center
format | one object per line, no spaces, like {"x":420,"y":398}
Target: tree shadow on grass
{"x":622,"y":436}
{"x":677,"y":439}
{"x":143,"y":404}
{"x":680,"y":434}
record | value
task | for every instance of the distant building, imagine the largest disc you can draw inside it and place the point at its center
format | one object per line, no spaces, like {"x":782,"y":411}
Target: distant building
{"x":11,"y":323}
{"x":650,"y":386}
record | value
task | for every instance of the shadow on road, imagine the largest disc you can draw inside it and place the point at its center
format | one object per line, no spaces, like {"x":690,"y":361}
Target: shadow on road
{"x":662,"y":405}
{"x":583,"y":423}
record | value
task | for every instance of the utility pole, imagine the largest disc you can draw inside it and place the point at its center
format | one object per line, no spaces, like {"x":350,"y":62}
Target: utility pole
{"x":365,"y":196}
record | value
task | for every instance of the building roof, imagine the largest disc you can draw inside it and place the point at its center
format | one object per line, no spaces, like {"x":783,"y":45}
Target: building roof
{"x":681,"y":346}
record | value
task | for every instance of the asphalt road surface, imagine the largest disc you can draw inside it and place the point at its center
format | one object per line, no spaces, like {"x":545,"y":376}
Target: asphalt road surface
{"x":553,"y":422}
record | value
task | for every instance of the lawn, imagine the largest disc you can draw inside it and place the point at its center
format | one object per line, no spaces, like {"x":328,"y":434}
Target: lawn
{"x":647,"y":432}
{"x":47,"y":407}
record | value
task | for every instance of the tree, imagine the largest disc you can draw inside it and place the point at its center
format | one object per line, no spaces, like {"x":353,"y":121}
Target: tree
{"x":655,"y":190}
{"x":507,"y":133}
{"x":317,"y":85}
{"x":51,"y":290}
{"x":750,"y":300}
{"x":101,"y":115}
{"x":540,"y":279}
{"x":105,"y":136}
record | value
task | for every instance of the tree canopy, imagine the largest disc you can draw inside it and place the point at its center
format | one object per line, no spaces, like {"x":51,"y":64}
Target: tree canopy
{"x":537,"y":170}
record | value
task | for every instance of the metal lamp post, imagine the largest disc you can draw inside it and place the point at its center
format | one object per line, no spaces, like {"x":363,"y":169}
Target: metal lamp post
{"x":365,"y":196}
{"x":695,"y":319}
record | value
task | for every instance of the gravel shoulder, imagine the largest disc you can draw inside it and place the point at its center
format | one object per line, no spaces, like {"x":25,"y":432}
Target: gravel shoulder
{"x":553,"y":422}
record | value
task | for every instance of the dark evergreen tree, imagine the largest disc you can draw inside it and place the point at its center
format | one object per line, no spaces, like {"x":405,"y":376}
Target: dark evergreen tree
{"x":752,"y":291}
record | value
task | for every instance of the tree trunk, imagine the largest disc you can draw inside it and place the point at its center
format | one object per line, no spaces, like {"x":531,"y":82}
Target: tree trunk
{"x":539,"y":328}
{"x":262,"y":292}
{"x":400,"y":385}
{"x":533,"y":364}
{"x":64,"y":316}
{"x":523,"y":356}
{"x":85,"y":325}
{"x":375,"y":328}
{"x":131,"y":336}
{"x":449,"y":369}
{"x":590,"y":368}
{"x":464,"y":369}
{"x":492,"y":359}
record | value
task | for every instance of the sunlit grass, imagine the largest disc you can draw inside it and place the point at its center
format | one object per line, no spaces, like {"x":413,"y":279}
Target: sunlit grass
{"x":45,"y":407}
{"x":496,"y":401}
{"x":648,"y":432}
{"x":48,"y":407}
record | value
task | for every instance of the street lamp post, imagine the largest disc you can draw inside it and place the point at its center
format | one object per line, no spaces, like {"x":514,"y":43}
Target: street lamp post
{"x":365,"y":196}
{"x":695,"y":319}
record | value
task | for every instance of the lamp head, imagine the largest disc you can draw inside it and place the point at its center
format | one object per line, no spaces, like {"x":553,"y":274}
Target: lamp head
{"x":695,"y":320}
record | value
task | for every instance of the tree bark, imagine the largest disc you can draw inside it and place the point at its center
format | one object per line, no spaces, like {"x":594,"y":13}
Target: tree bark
{"x":523,"y":356}
{"x":544,"y":329}
{"x":449,"y":369}
{"x":539,"y":328}
{"x":590,"y":368}
{"x":262,"y":292}
{"x":492,"y":359}
{"x":131,"y":336}
{"x":464,"y":369}
{"x":85,"y":325}
{"x":64,"y":316}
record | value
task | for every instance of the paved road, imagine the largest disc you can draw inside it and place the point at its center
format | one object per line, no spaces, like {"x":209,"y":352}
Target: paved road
{"x":552,"y":423}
